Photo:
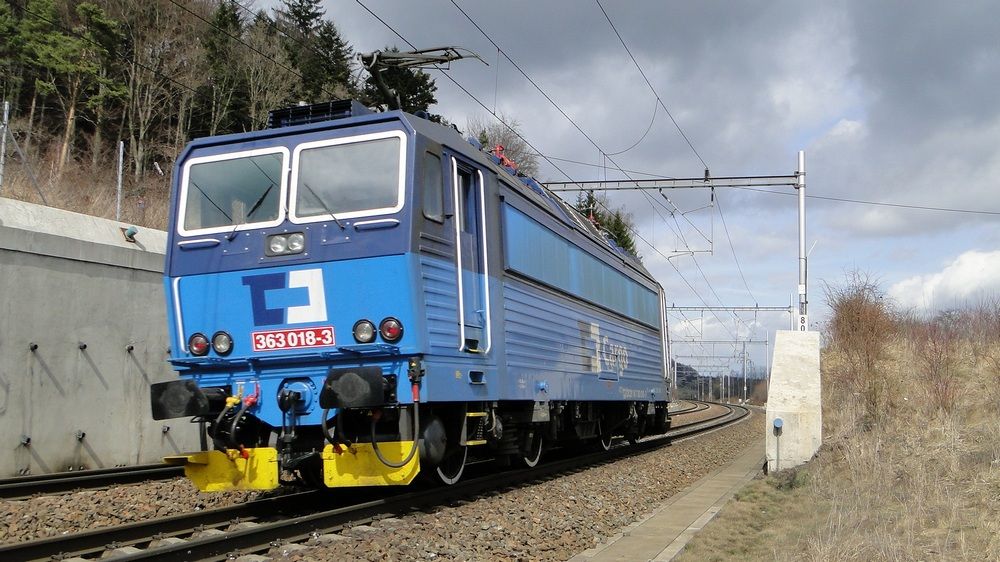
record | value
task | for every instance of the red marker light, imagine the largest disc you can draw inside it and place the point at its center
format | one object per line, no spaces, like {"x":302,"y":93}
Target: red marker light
{"x":391,"y":330}
{"x":198,"y":344}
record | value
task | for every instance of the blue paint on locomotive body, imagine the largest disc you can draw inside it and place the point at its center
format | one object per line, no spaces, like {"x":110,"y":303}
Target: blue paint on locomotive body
{"x":575,"y":351}
{"x":532,"y":338}
{"x":370,"y":288}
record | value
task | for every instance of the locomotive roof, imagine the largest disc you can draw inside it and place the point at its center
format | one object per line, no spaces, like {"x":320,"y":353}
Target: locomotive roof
{"x":526,"y":185}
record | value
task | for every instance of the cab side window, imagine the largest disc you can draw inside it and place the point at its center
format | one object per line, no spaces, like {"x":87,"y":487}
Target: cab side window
{"x":433,"y":188}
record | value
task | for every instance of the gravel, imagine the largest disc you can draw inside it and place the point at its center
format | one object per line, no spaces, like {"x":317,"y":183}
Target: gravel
{"x":551,"y":520}
{"x":47,"y":516}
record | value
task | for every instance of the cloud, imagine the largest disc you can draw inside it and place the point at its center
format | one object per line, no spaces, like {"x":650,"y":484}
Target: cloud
{"x":972,"y":275}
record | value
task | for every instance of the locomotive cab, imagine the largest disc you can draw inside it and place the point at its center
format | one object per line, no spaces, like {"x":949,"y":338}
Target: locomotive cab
{"x":287,"y":283}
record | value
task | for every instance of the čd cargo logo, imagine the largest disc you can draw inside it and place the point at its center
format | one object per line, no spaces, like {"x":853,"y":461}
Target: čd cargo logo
{"x":607,"y":356}
{"x":295,"y":297}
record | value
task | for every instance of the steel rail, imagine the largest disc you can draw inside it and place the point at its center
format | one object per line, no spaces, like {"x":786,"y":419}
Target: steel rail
{"x":694,"y":407}
{"x":302,"y":515}
{"x":96,"y":541}
{"x":27,"y":486}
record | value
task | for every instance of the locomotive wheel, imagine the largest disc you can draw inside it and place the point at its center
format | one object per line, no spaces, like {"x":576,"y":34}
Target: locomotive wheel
{"x":451,"y":467}
{"x":531,"y":458}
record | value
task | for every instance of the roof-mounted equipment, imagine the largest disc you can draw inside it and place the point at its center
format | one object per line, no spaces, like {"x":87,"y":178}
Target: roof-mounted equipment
{"x":377,"y":61}
{"x":305,"y":114}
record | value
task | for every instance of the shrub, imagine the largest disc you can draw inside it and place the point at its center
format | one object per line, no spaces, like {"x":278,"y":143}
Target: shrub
{"x":860,"y":329}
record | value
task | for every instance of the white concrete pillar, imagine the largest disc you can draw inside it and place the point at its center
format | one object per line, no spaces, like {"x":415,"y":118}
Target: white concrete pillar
{"x":794,"y":398}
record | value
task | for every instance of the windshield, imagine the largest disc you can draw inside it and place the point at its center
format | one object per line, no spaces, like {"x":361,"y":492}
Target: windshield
{"x":349,"y":179}
{"x":231,"y":190}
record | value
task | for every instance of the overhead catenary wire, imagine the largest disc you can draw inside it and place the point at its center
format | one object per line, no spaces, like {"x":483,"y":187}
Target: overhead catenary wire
{"x":739,"y":268}
{"x":467,"y":92}
{"x":642,"y":138}
{"x":684,"y":135}
{"x":648,"y":83}
{"x":686,"y":139}
{"x":273,"y":24}
{"x":875,"y":203}
{"x":558,"y":108}
{"x":561,"y":171}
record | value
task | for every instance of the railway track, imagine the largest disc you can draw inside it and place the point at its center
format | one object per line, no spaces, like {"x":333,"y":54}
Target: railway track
{"x":690,"y":406}
{"x":258,"y":526}
{"x":61,"y":482}
{"x":23,"y":487}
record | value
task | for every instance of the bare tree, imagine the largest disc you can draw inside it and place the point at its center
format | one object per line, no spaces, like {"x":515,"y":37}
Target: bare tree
{"x":506,"y":132}
{"x":269,"y":85}
{"x":159,"y":45}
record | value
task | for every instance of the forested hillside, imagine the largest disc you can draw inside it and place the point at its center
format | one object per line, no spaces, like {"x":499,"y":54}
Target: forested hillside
{"x":81,"y":76}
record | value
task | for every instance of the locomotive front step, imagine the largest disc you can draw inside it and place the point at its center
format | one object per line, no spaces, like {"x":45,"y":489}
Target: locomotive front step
{"x":217,"y":471}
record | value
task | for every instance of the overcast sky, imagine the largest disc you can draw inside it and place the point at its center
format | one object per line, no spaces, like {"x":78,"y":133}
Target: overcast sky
{"x":892,"y":102}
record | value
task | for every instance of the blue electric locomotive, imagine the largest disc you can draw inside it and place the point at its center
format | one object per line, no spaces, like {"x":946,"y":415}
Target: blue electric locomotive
{"x":357,"y":297}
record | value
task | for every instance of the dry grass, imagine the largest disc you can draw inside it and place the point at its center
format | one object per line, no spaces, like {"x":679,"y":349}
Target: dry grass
{"x":92,"y":192}
{"x":919,"y":480}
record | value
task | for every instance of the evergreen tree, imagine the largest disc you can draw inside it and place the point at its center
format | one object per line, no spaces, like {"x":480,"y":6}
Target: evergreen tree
{"x":11,"y":44}
{"x":315,"y":50}
{"x":620,"y":230}
{"x":104,"y":104}
{"x":617,"y":224}
{"x":69,"y":64}
{"x":303,"y":15}
{"x":225,"y":90}
{"x":334,"y":59}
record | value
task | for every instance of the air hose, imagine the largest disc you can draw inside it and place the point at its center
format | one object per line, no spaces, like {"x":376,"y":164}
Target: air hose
{"x":326,"y":430}
{"x":247,"y":403}
{"x":416,"y":428}
{"x":219,"y":444}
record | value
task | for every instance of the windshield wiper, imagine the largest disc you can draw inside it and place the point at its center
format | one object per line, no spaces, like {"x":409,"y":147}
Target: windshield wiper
{"x":214,"y":204}
{"x":323,"y":204}
{"x":253,"y":209}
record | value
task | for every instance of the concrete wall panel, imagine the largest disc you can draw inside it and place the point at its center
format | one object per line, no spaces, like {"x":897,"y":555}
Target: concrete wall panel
{"x":66,"y":280}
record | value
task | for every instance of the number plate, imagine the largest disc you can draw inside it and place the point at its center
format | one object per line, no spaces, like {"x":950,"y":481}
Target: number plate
{"x":273,"y":340}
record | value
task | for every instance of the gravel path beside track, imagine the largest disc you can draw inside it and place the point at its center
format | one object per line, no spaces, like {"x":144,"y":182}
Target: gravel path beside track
{"x":551,"y":520}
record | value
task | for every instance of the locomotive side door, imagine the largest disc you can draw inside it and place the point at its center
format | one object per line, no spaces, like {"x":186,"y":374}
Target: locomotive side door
{"x":471,"y":260}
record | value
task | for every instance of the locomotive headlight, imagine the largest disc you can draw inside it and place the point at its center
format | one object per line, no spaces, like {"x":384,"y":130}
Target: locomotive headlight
{"x":296,"y":242}
{"x":222,"y":343}
{"x":364,"y":331}
{"x":391,"y":330}
{"x":198,"y":344}
{"x":285,"y":244}
{"x":277,"y":244}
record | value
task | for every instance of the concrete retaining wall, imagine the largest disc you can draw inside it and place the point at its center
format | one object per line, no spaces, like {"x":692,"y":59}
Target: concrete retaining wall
{"x":91,"y":305}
